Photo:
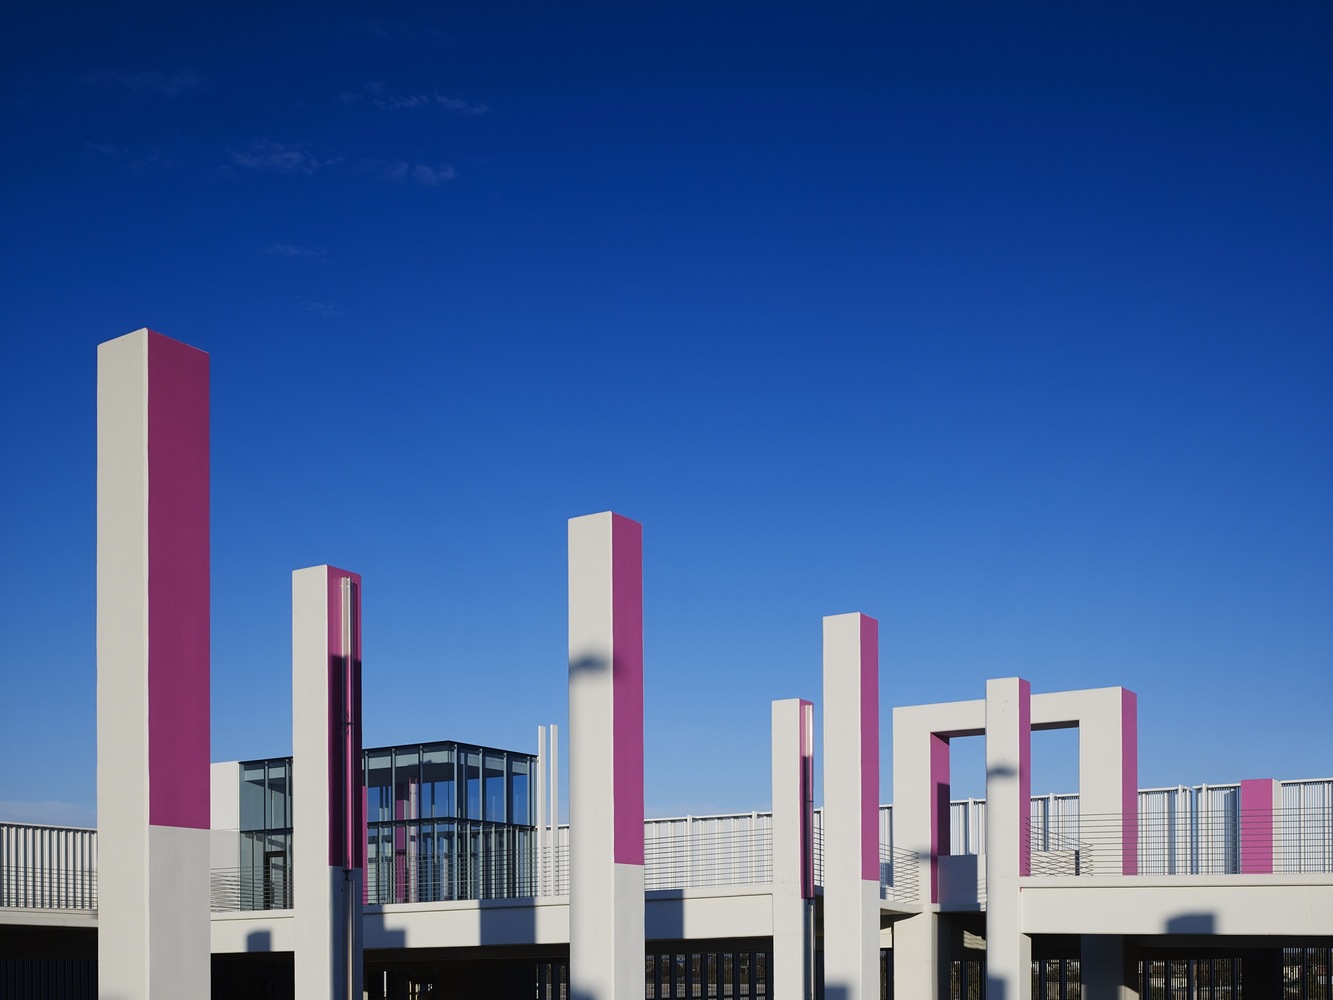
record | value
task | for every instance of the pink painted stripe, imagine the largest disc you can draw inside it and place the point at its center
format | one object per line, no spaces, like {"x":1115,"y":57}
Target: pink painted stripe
{"x":1256,"y":826}
{"x":1129,"y":782}
{"x":1024,"y":777}
{"x":347,"y":819}
{"x":807,"y":785}
{"x":178,"y":584}
{"x":627,"y":688}
{"x":869,"y":749}
{"x":939,"y":809}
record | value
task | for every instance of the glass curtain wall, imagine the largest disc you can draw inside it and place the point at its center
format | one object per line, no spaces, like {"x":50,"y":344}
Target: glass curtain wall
{"x":264,"y":881}
{"x":448,"y":821}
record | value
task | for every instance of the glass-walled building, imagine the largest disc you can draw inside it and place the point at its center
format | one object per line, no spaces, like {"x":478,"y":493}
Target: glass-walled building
{"x":443,"y":821}
{"x":448,"y":821}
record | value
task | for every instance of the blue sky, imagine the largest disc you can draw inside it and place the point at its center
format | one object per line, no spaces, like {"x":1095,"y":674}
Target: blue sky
{"x":1006,"y":324}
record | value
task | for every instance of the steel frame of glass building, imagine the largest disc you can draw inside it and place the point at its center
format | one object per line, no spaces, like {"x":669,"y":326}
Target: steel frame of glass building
{"x":444,"y":820}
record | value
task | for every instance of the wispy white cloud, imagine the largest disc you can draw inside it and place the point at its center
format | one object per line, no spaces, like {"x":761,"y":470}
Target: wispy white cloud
{"x":290,"y":251}
{"x":326,"y":309}
{"x":400,"y":32}
{"x":376,"y":93}
{"x":401,"y":171}
{"x":268,"y":156}
{"x":144,"y":159}
{"x":146,"y":83}
{"x":53,"y":813}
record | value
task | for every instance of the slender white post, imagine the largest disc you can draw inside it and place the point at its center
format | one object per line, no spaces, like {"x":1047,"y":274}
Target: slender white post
{"x":606,"y":910}
{"x":329,"y":845}
{"x":851,"y":807}
{"x":541,"y":810}
{"x":152,"y":669}
{"x":793,"y":849}
{"x":554,"y":811}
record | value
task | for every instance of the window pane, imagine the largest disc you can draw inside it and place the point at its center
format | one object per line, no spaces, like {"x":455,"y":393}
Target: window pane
{"x":472,"y":772}
{"x":278,"y":816}
{"x":439,"y":792}
{"x":406,"y":783}
{"x":252,"y":796}
{"x":379,"y":792}
{"x":495,"y":788}
{"x":518,"y":791}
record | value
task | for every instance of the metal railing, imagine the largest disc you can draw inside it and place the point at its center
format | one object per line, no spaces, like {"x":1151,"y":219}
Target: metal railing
{"x":235,"y":890}
{"x":1060,"y":854}
{"x":899,"y":874}
{"x":702,"y":857}
{"x":405,"y":879}
{"x":1192,"y":841}
{"x":38,"y":887}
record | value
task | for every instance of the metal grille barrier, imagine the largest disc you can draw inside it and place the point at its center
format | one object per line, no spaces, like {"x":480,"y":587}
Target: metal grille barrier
{"x":235,"y":890}
{"x":44,"y":888}
{"x":434,"y":879}
{"x":709,"y":854}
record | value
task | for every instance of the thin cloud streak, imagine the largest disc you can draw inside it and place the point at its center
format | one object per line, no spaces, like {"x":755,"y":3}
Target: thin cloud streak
{"x":377,"y":93}
{"x":291,"y":251}
{"x":148,"y":159}
{"x":267,"y":156}
{"x":325,"y":309}
{"x":400,"y":171}
{"x":144,"y":83}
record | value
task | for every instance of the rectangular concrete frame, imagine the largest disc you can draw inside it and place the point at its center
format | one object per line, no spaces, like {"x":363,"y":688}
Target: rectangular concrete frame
{"x":793,"y":848}
{"x":606,"y":901}
{"x":851,"y":807}
{"x":152,"y":668}
{"x":328,"y":803}
{"x":1107,"y":721}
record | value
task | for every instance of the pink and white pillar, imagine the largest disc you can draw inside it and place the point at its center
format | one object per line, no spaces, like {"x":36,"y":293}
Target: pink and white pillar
{"x":328,"y":803}
{"x":606,"y":903}
{"x":793,"y":848}
{"x":152,"y":668}
{"x":1008,"y":840}
{"x":851,"y":807}
{"x":1260,"y":836}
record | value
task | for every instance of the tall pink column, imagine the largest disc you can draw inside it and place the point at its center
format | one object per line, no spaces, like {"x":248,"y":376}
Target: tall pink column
{"x":1260,"y":803}
{"x":152,"y":668}
{"x":606,"y":913}
{"x":851,"y":807}
{"x":328,"y":804}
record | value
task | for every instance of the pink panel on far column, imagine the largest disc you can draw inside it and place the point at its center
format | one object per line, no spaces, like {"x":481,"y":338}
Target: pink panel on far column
{"x":807,"y":784}
{"x":869,"y":749}
{"x":1256,"y":826}
{"x":1024,"y":778}
{"x":939,"y":809}
{"x":1129,"y":782}
{"x":178,"y":584}
{"x":627,"y":687}
{"x":347,"y":820}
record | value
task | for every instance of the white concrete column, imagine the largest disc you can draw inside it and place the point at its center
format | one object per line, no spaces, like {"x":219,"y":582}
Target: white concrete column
{"x":606,"y":911}
{"x":793,"y":849}
{"x":1105,"y":969}
{"x":851,"y":807}
{"x":152,"y":669}
{"x":328,"y":804}
{"x":1008,"y":843}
